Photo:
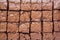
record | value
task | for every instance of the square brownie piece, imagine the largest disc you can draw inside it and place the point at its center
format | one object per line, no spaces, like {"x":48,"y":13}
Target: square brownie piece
{"x":3,"y":15}
{"x":13,"y":36}
{"x":56,"y":15}
{"x":36,"y":6}
{"x":24,"y":16}
{"x":14,"y":4}
{"x":47,"y":26}
{"x":56,"y":4}
{"x":13,"y":16}
{"x":36,"y":15}
{"x":3,"y":4}
{"x":25,"y":6}
{"x":24,"y":36}
{"x":47,"y":36}
{"x":3,"y":36}
{"x":35,"y":36}
{"x":47,"y":5}
{"x":57,"y":35}
{"x":3,"y":26}
{"x":47,"y":15}
{"x":36,"y":27}
{"x":57,"y":26}
{"x":12,"y":27}
{"x":24,"y":27}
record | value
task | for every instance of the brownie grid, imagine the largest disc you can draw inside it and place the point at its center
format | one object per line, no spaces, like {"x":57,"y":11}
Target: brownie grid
{"x":41,"y":34}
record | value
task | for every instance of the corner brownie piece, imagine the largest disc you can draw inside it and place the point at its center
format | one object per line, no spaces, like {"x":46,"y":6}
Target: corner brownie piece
{"x":24,"y":28}
{"x":12,"y":27}
{"x":3,"y":4}
{"x":3,"y":15}
{"x":14,"y":4}
{"x":3,"y":26}
{"x":13,"y":16}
